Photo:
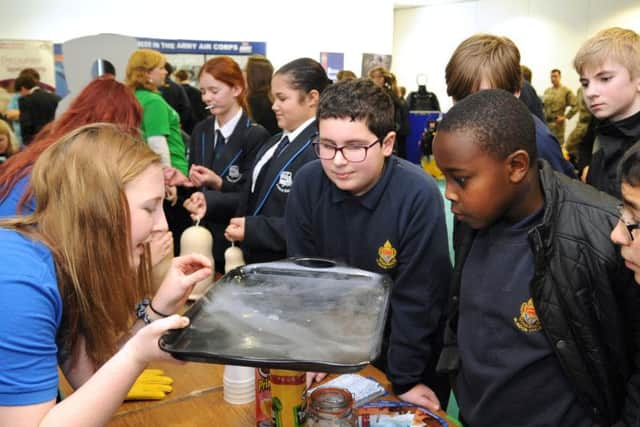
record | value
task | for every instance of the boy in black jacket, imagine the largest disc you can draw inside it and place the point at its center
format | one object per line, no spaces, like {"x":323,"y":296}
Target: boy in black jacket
{"x":544,"y":319}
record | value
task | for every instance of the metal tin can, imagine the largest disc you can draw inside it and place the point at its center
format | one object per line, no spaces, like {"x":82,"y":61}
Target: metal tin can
{"x":288,"y":397}
{"x":331,"y":407}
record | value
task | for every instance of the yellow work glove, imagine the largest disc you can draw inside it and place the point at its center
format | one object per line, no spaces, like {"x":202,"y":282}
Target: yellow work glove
{"x":152,"y":384}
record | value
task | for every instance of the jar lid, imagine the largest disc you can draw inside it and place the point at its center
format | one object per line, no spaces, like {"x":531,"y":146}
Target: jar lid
{"x":331,"y":400}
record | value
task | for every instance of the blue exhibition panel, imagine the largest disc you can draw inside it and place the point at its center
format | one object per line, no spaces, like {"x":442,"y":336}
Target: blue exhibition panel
{"x":418,"y":121}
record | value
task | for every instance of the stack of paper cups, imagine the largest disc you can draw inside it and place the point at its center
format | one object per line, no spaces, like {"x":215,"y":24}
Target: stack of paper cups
{"x":239,"y":384}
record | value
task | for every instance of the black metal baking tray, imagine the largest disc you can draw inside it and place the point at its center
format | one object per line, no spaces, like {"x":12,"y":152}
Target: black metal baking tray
{"x":299,"y":314}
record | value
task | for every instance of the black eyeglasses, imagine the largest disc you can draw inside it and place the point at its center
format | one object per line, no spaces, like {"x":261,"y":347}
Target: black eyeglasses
{"x":628,"y":224}
{"x":353,"y":153}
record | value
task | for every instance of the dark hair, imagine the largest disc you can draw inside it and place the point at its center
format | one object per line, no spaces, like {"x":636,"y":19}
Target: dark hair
{"x":26,"y":81}
{"x":526,"y":73}
{"x":182,"y":75}
{"x":259,"y":73}
{"x":555,"y":70}
{"x":359,"y":99}
{"x":169,"y":68}
{"x":32,"y":72}
{"x":629,"y":167}
{"x":499,"y":122}
{"x":305,"y":75}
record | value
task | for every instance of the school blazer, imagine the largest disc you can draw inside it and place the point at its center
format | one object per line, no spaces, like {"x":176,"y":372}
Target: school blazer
{"x":263,"y":209}
{"x":234,"y":167}
{"x":236,"y":161}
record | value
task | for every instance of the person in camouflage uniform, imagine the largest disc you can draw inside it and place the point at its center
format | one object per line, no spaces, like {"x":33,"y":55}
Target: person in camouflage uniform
{"x":578,"y":133}
{"x":556,"y":100}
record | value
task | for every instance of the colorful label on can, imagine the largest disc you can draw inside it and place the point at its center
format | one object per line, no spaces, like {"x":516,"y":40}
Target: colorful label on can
{"x":264,"y":415}
{"x":288,"y":393}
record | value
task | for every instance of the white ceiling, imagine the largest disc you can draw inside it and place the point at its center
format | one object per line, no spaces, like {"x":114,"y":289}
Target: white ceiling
{"x":404,"y":4}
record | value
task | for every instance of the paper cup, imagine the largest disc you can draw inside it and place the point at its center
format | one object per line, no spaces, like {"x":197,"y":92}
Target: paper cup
{"x":238,"y":399}
{"x":238,"y":373}
{"x":239,"y":384}
{"x":239,"y":394}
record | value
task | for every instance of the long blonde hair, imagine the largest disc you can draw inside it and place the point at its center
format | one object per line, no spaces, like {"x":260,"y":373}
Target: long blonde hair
{"x":82,"y":215}
{"x":12,"y":147}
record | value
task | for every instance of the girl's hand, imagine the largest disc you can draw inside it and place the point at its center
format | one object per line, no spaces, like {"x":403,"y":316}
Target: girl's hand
{"x":173,"y":176}
{"x":171,"y":194}
{"x":143,"y":346}
{"x":200,"y":175}
{"x":161,"y":245}
{"x":184,"y":273}
{"x":235,"y":230}
{"x":196,"y":205}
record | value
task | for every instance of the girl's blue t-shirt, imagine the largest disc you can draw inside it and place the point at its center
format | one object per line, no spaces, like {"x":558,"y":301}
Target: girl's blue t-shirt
{"x":9,"y":205}
{"x":30,"y":316}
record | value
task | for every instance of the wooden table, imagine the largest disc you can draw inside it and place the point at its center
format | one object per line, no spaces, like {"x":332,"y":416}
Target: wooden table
{"x":196,"y":400}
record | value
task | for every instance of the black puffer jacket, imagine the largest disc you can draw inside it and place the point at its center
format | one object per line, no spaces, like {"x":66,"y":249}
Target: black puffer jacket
{"x":613,"y":139}
{"x":584,"y":296}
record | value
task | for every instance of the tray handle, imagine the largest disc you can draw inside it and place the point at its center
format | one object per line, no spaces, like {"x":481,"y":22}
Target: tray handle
{"x":314,"y":262}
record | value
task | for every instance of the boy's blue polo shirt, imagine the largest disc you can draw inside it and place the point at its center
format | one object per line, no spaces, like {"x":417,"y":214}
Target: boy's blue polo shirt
{"x":509,"y":372}
{"x":396,"y":228}
{"x":549,"y":149}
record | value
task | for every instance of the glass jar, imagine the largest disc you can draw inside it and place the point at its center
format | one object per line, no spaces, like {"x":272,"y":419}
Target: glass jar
{"x":330,"y":407}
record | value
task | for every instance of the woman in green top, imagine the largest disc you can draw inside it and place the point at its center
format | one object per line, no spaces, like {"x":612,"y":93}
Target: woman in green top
{"x":161,"y":130}
{"x":160,"y":123}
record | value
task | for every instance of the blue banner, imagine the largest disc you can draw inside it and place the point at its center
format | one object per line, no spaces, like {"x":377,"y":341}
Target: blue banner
{"x":61,"y":82}
{"x":204,"y":47}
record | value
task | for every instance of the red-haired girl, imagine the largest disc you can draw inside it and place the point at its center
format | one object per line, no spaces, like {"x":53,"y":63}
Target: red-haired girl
{"x":102,"y":100}
{"x":223,"y":146}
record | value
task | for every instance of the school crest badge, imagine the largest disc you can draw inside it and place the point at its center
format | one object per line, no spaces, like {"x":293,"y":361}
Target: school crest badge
{"x":285,"y":182}
{"x":234,"y":174}
{"x":528,"y":320}
{"x":387,"y":256}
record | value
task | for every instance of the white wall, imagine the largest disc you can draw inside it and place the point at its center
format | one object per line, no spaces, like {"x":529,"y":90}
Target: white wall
{"x":291,"y":28}
{"x":547,"y":32}
{"x":421,"y":39}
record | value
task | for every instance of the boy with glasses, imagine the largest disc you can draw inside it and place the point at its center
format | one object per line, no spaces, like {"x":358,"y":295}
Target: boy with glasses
{"x":363,"y":206}
{"x":625,"y":232}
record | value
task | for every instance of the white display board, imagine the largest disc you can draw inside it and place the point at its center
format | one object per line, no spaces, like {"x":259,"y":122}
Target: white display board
{"x":16,"y":55}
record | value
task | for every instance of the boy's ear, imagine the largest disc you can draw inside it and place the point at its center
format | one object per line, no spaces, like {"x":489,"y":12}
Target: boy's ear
{"x":388,"y":142}
{"x":518,"y":164}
